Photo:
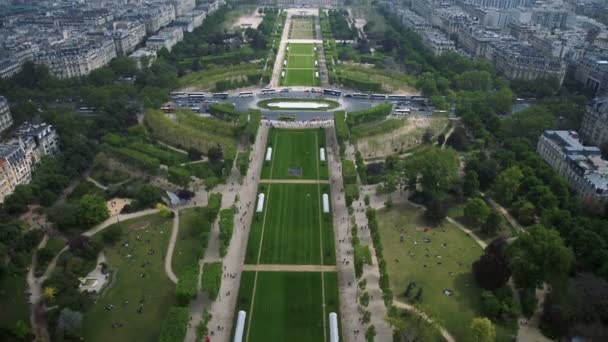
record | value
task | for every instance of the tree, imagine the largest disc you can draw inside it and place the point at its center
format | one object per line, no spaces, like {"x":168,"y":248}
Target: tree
{"x":537,"y":256}
{"x":112,"y":234}
{"x":69,"y":323}
{"x":476,"y":211}
{"x":507,"y":184}
{"x":92,"y":209}
{"x":50,"y":293}
{"x":470,"y":184}
{"x":436,"y":210}
{"x":492,"y":271}
{"x":435,"y":169}
{"x":483,"y":330}
{"x":492,"y":223}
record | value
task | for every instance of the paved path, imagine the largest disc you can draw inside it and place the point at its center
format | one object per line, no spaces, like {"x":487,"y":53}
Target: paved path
{"x":401,"y":305}
{"x":97,"y":184}
{"x":294,"y":181}
{"x":171,"y":247}
{"x":347,"y":282}
{"x":278,"y":63}
{"x":289,"y":268}
{"x":223,"y":308}
{"x":305,"y":41}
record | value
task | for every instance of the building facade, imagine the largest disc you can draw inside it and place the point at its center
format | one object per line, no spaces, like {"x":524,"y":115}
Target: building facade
{"x":582,"y":166}
{"x":594,"y":128}
{"x":6,"y":119}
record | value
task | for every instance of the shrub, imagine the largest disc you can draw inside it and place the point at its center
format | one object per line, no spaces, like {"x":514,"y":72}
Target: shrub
{"x":187,"y":284}
{"x":368,"y":115}
{"x":211,"y":280}
{"x":351,"y":193}
{"x":175,"y":325}
{"x":226,"y":228}
{"x":349,"y":173}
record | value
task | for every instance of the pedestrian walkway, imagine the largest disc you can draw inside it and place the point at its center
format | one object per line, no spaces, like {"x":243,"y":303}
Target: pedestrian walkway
{"x":294,"y":181}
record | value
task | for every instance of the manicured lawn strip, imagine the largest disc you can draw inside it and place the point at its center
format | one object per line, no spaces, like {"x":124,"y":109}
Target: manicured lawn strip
{"x":323,"y":167}
{"x":332,"y":299}
{"x":155,"y":288}
{"x":287,"y":307}
{"x":265,"y":104}
{"x":226,"y":224}
{"x":255,"y":234}
{"x":300,"y":49}
{"x":175,"y":325}
{"x":300,"y":61}
{"x":211,"y":279}
{"x":294,"y":148}
{"x":192,"y":238}
{"x":291,"y":234}
{"x":456,"y":312}
{"x":243,"y":301}
{"x":13,"y":301}
{"x":302,"y":77}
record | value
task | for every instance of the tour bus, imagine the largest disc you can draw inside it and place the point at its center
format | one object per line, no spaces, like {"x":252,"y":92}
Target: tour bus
{"x":378,"y":97}
{"x":246,"y":94}
{"x":196,"y":95}
{"x":360,"y":96}
{"x":177,"y":93}
{"x":268,"y":91}
{"x":398,"y":97}
{"x":402,"y":111}
{"x":222,"y":96}
{"x":332,"y":92}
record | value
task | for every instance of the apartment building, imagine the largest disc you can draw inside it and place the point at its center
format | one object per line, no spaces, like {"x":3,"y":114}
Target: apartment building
{"x":127,"y":35}
{"x":6,"y":119}
{"x":582,"y":166}
{"x":78,"y":57}
{"x":594,"y":128}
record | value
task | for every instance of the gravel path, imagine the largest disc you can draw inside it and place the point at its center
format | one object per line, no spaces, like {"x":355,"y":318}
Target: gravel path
{"x":171,"y":248}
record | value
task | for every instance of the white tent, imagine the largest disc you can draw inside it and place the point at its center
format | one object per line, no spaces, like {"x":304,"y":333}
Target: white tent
{"x":284,"y":62}
{"x":260,"y":206}
{"x":316,"y":74}
{"x":334,"y":335}
{"x":322,"y":154}
{"x":325,"y":203}
{"x":282,"y":74}
{"x":240,"y":326}
{"x":315,"y":48}
{"x":287,"y":48}
{"x":316,"y":63}
{"x":268,"y":153}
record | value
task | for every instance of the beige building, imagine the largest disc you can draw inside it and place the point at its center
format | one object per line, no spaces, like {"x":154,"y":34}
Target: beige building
{"x":6,"y":119}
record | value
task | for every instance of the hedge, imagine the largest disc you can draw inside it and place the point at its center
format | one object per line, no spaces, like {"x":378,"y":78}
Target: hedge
{"x":224,"y":111}
{"x":368,"y":115}
{"x":211,"y":124}
{"x":251,"y":128}
{"x":349,"y":173}
{"x":140,"y":160}
{"x":342,"y":133}
{"x":175,"y":325}
{"x":187,"y":285}
{"x":226,"y":229}
{"x":359,"y":84}
{"x":214,"y":203}
{"x":211,"y":280}
{"x":351,"y":193}
{"x":387,"y":293}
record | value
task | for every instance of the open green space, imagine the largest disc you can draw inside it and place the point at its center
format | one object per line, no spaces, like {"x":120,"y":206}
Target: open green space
{"x":300,"y":77}
{"x":267,"y":104}
{"x":293,"y":227}
{"x":441,"y":263}
{"x":288,"y":306}
{"x":302,"y":28}
{"x":137,"y":278}
{"x":300,"y":61}
{"x":301,"y":49}
{"x":192,"y":239}
{"x":295,"y":154}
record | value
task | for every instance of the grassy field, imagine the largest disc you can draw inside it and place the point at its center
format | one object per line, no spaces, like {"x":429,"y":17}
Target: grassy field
{"x":13,"y":301}
{"x":331,"y":104}
{"x":137,"y":266}
{"x":288,"y":306}
{"x":443,"y":263}
{"x":295,"y":148}
{"x":301,"y":28}
{"x":300,"y":69}
{"x":292,"y":227}
{"x":189,"y":246}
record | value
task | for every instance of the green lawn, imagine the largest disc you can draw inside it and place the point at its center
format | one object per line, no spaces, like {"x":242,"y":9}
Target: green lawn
{"x":300,"y":61}
{"x":13,"y":301}
{"x":301,"y":49}
{"x":330,"y":104}
{"x":127,"y":265}
{"x":300,"y":77}
{"x":443,"y":264}
{"x":192,"y":239}
{"x":295,"y":148}
{"x":292,"y":227}
{"x":287,"y":306}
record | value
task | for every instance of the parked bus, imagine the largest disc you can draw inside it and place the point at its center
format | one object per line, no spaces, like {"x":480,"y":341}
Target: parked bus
{"x":378,"y":97}
{"x":246,"y":94}
{"x":332,"y":92}
{"x":268,"y":91}
{"x":398,"y":97}
{"x":360,"y":96}
{"x":222,"y":96}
